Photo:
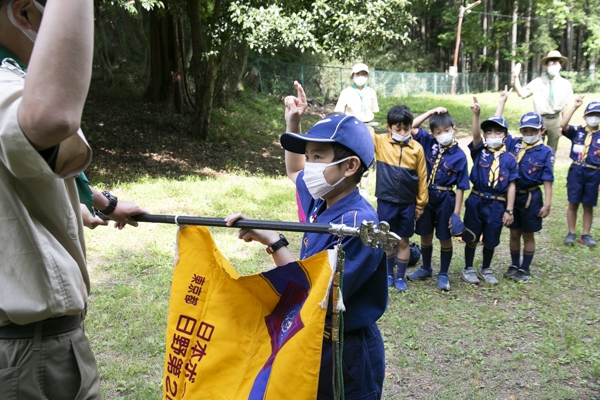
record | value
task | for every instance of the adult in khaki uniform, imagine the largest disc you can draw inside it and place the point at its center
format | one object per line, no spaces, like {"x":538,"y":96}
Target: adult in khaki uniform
{"x":44,"y":283}
{"x":551,"y":94}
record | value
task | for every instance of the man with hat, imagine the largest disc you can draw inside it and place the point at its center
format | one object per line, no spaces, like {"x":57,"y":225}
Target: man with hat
{"x":551,"y":94}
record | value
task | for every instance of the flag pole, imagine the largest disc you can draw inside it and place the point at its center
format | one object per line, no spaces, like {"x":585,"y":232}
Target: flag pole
{"x":370,"y":233}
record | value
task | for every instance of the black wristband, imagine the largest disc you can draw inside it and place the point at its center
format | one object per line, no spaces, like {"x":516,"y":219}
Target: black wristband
{"x":112,"y":203}
{"x":277,"y":245}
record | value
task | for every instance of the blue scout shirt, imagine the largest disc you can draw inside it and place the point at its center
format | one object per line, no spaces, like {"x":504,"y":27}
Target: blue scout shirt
{"x":513,"y":144}
{"x":482,"y":161}
{"x":365,"y":275}
{"x":452,"y":169}
{"x":577,"y":135}
{"x":536,"y":166}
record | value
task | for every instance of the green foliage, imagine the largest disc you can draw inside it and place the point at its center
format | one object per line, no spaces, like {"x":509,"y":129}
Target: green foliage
{"x":341,"y":29}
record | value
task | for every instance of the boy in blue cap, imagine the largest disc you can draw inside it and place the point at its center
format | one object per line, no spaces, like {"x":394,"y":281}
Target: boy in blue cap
{"x":447,"y":167}
{"x":401,"y":187}
{"x":583,"y":180}
{"x":535,"y":164}
{"x":326,"y":165}
{"x":490,"y":204}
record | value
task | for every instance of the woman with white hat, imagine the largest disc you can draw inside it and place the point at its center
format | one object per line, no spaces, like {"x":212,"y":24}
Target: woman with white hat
{"x":359,"y":100}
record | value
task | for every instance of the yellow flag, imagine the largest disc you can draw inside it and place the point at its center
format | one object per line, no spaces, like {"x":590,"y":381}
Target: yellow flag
{"x":248,"y":337}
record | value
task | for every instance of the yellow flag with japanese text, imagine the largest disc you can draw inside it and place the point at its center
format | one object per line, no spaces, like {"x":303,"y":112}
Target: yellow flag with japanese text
{"x":243,"y":337}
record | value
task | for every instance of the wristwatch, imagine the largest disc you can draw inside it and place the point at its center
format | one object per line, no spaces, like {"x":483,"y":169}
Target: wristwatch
{"x":112,"y":203}
{"x":277,"y":245}
{"x":510,"y":212}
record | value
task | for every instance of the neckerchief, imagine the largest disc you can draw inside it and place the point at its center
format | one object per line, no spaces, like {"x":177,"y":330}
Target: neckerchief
{"x":437,"y":162}
{"x":494,"y":172}
{"x":527,"y":147}
{"x":586,"y":143}
{"x":5,"y":53}
{"x":362,"y":100}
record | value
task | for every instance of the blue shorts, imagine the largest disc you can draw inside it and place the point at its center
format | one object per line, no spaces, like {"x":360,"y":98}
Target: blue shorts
{"x":484,"y":216}
{"x":437,"y":215}
{"x":582,"y":185}
{"x":526,"y":215}
{"x":363,"y":365}
{"x":401,"y":217}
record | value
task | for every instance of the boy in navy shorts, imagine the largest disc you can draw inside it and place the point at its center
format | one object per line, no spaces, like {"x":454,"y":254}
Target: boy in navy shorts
{"x":401,"y":188}
{"x":535,"y":164}
{"x":490,"y":204}
{"x":583,"y":180}
{"x":447,"y":168}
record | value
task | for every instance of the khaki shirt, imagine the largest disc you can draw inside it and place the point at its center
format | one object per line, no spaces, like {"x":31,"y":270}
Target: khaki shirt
{"x":359,"y":103}
{"x":540,"y":89}
{"x":43,"y":271}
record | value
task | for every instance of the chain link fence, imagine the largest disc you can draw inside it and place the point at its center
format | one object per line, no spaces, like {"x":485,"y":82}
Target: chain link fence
{"x":276,"y":78}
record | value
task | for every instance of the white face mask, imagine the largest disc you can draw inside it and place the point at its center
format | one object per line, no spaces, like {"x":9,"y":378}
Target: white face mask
{"x":30,"y":33}
{"x":532,"y":139}
{"x":445,"y":139}
{"x":592,"y":121}
{"x":494,"y":143}
{"x":360,"y":80}
{"x":400,"y":138}
{"x":315,"y":179}
{"x":553,"y":70}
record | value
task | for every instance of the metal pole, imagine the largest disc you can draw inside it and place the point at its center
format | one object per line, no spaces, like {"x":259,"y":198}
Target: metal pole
{"x":369,"y":233}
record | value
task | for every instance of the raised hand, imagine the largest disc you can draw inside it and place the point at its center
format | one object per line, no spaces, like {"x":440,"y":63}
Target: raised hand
{"x":475,"y":106}
{"x":294,"y":108}
{"x":517,"y":70}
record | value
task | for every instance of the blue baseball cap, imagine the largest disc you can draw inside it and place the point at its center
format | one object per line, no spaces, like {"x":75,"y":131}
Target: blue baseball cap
{"x":531,"y":120}
{"x":500,"y":121}
{"x":593,"y":107}
{"x":335,"y":128}
{"x":459,"y":229}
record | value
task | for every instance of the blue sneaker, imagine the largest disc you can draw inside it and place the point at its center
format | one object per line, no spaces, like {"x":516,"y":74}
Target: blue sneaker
{"x":400,"y":284}
{"x":390,"y":280}
{"x":443,"y":282}
{"x":420,"y":274}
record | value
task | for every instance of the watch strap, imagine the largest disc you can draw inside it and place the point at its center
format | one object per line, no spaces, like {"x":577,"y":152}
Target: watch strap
{"x":112,"y":203}
{"x":277,"y":245}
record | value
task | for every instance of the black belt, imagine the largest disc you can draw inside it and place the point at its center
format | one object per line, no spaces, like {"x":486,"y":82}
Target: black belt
{"x":50,"y":327}
{"x":586,"y":165}
{"x":488,"y":196}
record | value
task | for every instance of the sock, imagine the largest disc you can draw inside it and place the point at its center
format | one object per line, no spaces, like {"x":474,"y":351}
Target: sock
{"x":488,"y":254}
{"x":426,"y":253}
{"x":527,"y":258}
{"x":470,"y":254}
{"x":390,"y":265}
{"x":445,"y":258}
{"x":402,"y":265}
{"x":515,"y":257}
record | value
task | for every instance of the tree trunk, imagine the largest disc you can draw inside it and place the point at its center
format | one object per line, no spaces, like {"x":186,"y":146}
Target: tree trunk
{"x":101,"y":47}
{"x":527,"y":40}
{"x":168,"y":76}
{"x":204,"y":68}
{"x":578,"y":58}
{"x":569,"y":44}
{"x":231,"y":71}
{"x":513,"y":45}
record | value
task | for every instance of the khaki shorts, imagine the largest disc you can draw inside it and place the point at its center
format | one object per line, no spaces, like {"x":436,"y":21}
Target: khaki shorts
{"x":60,"y":367}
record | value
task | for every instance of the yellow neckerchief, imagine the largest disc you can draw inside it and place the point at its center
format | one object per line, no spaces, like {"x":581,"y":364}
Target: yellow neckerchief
{"x":494,"y":172}
{"x":437,"y":161}
{"x":527,"y":147}
{"x":587,"y":143}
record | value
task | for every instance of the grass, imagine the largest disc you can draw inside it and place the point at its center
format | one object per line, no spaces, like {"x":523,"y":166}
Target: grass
{"x":538,"y":340}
